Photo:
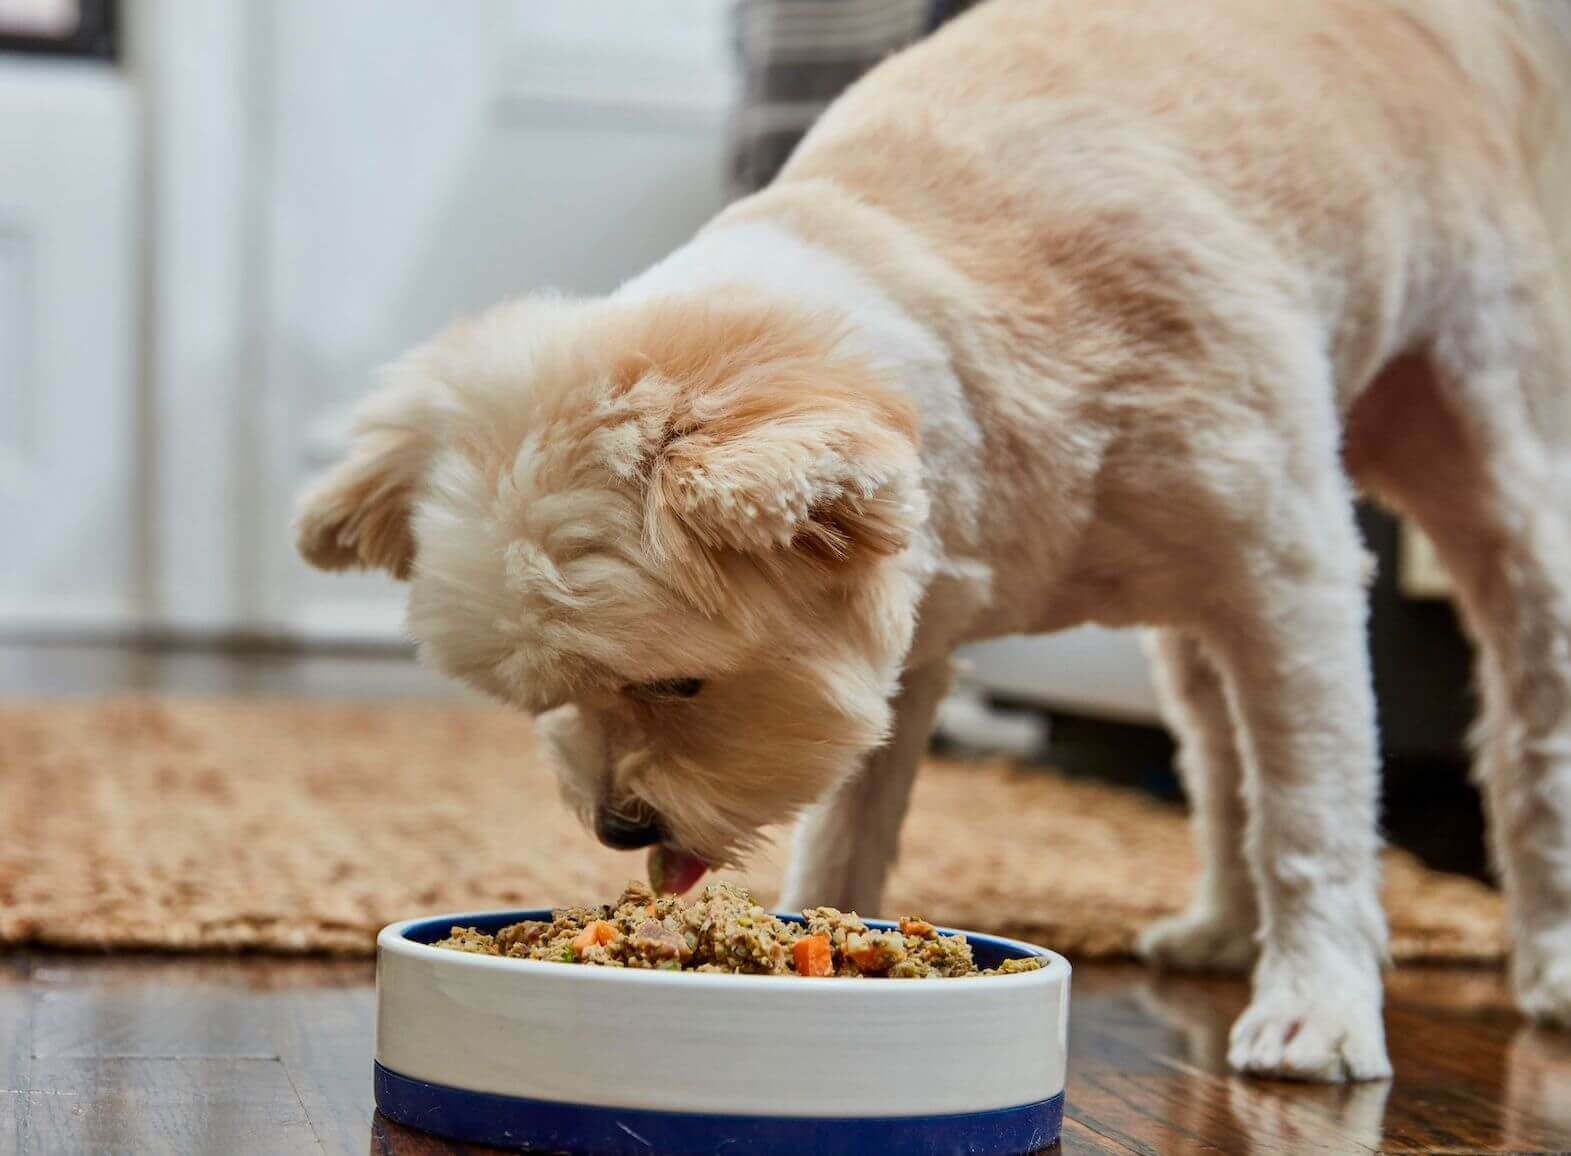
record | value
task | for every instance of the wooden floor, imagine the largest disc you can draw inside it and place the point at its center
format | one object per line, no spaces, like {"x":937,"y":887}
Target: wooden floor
{"x":169,"y":1054}
{"x":242,"y":1055}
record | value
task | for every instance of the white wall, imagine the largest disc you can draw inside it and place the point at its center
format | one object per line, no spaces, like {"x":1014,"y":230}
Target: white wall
{"x":70,"y":504}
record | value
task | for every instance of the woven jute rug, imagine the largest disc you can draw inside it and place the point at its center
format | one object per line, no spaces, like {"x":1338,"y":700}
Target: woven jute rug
{"x":289,"y":826}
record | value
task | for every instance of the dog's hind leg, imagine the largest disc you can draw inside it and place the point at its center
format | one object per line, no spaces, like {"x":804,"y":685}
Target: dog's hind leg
{"x":1217,"y":932}
{"x":1470,"y":455}
{"x":843,"y":847}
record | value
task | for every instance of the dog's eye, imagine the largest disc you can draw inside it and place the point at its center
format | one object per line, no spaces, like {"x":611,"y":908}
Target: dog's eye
{"x":664,"y":689}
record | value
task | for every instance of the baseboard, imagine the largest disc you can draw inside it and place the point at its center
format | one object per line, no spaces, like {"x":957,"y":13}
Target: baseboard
{"x":348,"y":623}
{"x":110,"y":619}
{"x":329,"y":627}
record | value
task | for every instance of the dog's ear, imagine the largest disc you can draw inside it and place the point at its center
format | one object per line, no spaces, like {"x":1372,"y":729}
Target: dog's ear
{"x":357,"y":514}
{"x":825,"y":468}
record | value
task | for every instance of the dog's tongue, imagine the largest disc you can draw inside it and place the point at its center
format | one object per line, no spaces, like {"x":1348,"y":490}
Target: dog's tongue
{"x":672,"y":872}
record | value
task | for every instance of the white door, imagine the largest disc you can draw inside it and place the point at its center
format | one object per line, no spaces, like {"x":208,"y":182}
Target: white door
{"x":70,"y":504}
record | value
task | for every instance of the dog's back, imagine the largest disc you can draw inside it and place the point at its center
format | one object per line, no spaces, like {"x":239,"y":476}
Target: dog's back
{"x":1517,"y":53}
{"x":1131,"y":146}
{"x":1552,"y":142}
{"x":1551,"y":124}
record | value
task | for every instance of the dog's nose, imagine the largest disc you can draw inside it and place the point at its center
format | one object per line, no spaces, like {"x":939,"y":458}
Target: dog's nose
{"x":626,"y":832}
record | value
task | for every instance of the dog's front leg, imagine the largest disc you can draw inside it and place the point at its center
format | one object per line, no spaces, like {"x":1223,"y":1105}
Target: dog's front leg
{"x":1290,"y":643}
{"x":844,"y":846}
{"x":1217,"y":931}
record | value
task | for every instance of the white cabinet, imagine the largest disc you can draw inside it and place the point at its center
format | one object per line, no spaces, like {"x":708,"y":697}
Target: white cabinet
{"x":1091,"y":670}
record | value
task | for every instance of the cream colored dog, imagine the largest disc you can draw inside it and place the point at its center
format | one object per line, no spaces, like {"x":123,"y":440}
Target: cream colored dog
{"x":1075,"y":312}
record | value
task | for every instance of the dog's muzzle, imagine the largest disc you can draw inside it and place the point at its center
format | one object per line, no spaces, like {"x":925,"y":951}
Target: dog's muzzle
{"x":626,"y":832}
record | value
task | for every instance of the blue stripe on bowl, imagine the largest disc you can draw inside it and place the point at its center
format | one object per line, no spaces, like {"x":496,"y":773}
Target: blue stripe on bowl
{"x":525,"y":1125}
{"x":988,"y":950}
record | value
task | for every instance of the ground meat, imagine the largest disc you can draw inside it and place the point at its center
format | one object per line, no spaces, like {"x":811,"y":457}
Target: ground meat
{"x":518,"y":938}
{"x":837,"y":925}
{"x":735,"y":934}
{"x":468,"y":939}
{"x":723,"y":930}
{"x":1015,"y":966}
{"x":658,"y":944}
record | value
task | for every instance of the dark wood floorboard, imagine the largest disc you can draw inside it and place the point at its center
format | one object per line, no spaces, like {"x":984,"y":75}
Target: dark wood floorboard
{"x":201,"y":1105}
{"x":323,"y":1019}
{"x":115,"y":1007}
{"x":16,"y":1049}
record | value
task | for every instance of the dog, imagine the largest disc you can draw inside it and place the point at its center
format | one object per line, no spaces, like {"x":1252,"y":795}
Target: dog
{"x":1071,"y":313}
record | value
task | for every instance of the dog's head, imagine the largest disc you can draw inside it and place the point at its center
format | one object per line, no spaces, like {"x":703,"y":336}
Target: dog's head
{"x":672,"y":530}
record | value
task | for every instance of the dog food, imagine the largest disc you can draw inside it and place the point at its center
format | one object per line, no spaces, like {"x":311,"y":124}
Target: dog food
{"x":723,"y":930}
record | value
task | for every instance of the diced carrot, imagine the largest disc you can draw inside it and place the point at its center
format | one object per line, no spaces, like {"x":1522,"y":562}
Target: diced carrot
{"x":921,"y":928}
{"x":597,"y":932}
{"x":812,"y":956}
{"x":866,"y":957}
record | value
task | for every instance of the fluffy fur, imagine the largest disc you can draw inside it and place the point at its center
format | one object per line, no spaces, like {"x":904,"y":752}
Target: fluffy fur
{"x":614,"y":495}
{"x":1075,"y":312}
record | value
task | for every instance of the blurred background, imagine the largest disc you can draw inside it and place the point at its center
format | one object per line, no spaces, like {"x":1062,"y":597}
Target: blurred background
{"x":218,"y":217}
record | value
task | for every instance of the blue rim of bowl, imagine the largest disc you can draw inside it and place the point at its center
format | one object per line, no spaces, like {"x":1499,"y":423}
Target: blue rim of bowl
{"x":988,"y":950}
{"x":528,"y":1125}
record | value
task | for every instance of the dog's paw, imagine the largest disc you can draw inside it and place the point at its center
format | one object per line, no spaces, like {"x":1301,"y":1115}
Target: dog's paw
{"x":1332,"y":1038}
{"x":1198,"y":940}
{"x":1543,"y":991}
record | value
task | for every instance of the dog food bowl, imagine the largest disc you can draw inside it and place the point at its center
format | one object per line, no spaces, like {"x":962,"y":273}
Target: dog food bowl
{"x":556,"y":1057}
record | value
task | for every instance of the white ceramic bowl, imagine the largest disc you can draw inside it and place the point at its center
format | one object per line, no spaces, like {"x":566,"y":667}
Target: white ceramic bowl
{"x":555,"y":1057}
